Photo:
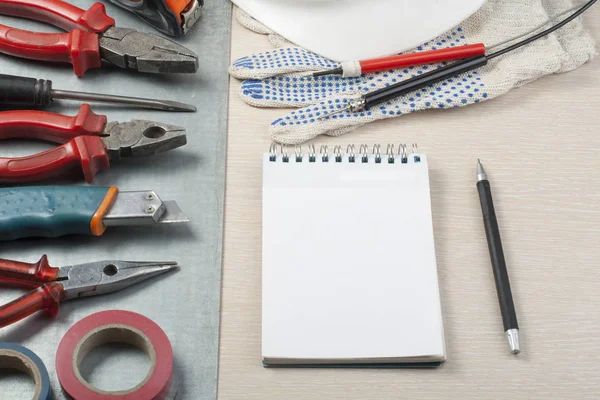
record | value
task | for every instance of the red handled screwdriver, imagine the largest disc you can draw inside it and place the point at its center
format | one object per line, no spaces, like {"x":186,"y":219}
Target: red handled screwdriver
{"x":350,"y":69}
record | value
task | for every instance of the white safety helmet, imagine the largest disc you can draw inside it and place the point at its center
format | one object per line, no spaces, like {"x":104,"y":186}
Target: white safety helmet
{"x":345,"y":30}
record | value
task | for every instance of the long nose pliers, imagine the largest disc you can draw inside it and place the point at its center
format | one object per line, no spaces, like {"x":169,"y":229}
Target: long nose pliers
{"x":51,"y":286}
{"x":93,"y":37}
{"x":89,"y":143}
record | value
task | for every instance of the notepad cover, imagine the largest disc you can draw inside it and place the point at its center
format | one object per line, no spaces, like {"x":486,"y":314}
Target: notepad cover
{"x":349,"y":267}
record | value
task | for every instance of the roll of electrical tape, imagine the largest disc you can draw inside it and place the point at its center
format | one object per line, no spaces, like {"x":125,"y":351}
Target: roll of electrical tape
{"x":116,"y":327}
{"x":13,"y":356}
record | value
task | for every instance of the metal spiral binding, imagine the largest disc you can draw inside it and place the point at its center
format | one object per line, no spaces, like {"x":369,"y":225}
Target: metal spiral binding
{"x":403,"y":154}
{"x":338,"y":155}
{"x":390,"y":153}
{"x":364,"y":153}
{"x":415,"y":150}
{"x":284,"y":154}
{"x":377,"y":153}
{"x":350,"y":150}
{"x":273,"y":152}
{"x":324,"y":153}
{"x":337,"y":150}
{"x":298,"y":152}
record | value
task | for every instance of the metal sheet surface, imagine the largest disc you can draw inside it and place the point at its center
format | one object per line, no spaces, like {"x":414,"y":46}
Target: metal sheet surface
{"x":185,"y":303}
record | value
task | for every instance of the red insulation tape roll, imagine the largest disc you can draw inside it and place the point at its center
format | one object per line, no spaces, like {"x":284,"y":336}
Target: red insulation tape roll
{"x":116,"y":327}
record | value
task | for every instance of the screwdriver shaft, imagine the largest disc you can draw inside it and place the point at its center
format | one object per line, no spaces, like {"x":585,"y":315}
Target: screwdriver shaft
{"x":31,"y":92}
{"x":166,"y":105}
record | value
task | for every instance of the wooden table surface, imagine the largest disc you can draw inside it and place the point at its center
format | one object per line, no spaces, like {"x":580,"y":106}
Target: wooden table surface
{"x":540,"y":145}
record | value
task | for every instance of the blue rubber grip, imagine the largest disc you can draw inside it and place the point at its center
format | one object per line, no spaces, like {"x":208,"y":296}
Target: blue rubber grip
{"x":48,"y":211}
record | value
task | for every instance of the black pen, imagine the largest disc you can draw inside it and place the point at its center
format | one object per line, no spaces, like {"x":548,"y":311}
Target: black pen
{"x":507,"y":307}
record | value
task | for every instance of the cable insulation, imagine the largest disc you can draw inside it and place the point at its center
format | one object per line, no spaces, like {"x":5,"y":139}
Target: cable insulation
{"x":548,"y":31}
{"x":537,"y":28}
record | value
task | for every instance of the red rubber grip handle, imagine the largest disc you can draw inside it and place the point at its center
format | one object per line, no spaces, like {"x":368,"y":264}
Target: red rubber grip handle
{"x":45,"y":298}
{"x":28,"y":275}
{"x":60,"y":14}
{"x":79,"y":48}
{"x":424,"y":57}
{"x":83,"y":154}
{"x":50,"y":127}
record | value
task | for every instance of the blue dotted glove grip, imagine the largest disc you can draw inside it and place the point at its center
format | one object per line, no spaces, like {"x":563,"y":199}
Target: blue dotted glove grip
{"x":48,"y":211}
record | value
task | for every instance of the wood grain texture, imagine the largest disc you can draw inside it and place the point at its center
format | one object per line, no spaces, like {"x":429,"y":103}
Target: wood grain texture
{"x":540,"y":145}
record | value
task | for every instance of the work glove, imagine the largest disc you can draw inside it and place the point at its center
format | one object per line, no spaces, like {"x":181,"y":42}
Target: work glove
{"x":283,"y":77}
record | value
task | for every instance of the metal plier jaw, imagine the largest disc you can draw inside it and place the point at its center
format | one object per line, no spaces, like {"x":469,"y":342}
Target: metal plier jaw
{"x":90,"y":39}
{"x":141,"y":138}
{"x":109,"y":276}
{"x":145,"y":52}
{"x":51,"y":286}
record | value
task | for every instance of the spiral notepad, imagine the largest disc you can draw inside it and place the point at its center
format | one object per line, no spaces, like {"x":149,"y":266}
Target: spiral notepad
{"x":349,"y":268}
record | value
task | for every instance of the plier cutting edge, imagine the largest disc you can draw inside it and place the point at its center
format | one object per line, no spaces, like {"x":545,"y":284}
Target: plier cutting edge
{"x":93,"y":38}
{"x":54,"y":285}
{"x":89,"y":143}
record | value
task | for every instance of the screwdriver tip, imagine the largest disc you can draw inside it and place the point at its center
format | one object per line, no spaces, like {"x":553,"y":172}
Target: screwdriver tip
{"x":177,"y":106}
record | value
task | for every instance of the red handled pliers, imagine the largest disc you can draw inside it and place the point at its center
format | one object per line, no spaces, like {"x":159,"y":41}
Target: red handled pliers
{"x":89,"y":143}
{"x":93,"y":38}
{"x":51,"y":286}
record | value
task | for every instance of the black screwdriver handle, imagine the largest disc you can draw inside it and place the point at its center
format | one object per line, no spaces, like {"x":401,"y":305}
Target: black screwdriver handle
{"x":18,"y":90}
{"x":419,"y":82}
{"x":507,"y":307}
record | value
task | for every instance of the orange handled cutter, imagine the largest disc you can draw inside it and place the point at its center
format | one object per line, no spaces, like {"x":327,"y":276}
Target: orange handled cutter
{"x":172,"y":17}
{"x":53,"y":211}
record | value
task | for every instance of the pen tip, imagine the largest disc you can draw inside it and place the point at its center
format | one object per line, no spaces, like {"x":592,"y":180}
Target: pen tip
{"x":481,"y":175}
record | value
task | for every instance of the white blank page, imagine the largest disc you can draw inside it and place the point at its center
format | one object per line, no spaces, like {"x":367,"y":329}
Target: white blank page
{"x":349,"y":268}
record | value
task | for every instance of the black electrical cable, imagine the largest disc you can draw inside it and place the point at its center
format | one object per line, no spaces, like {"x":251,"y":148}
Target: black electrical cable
{"x":543,"y":33}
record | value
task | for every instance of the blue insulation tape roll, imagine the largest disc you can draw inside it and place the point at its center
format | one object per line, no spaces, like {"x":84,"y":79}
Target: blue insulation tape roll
{"x":14,"y":356}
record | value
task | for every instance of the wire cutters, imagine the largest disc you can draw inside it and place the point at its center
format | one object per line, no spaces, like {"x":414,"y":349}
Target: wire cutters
{"x":89,"y":143}
{"x":51,"y":286}
{"x":92,"y":38}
